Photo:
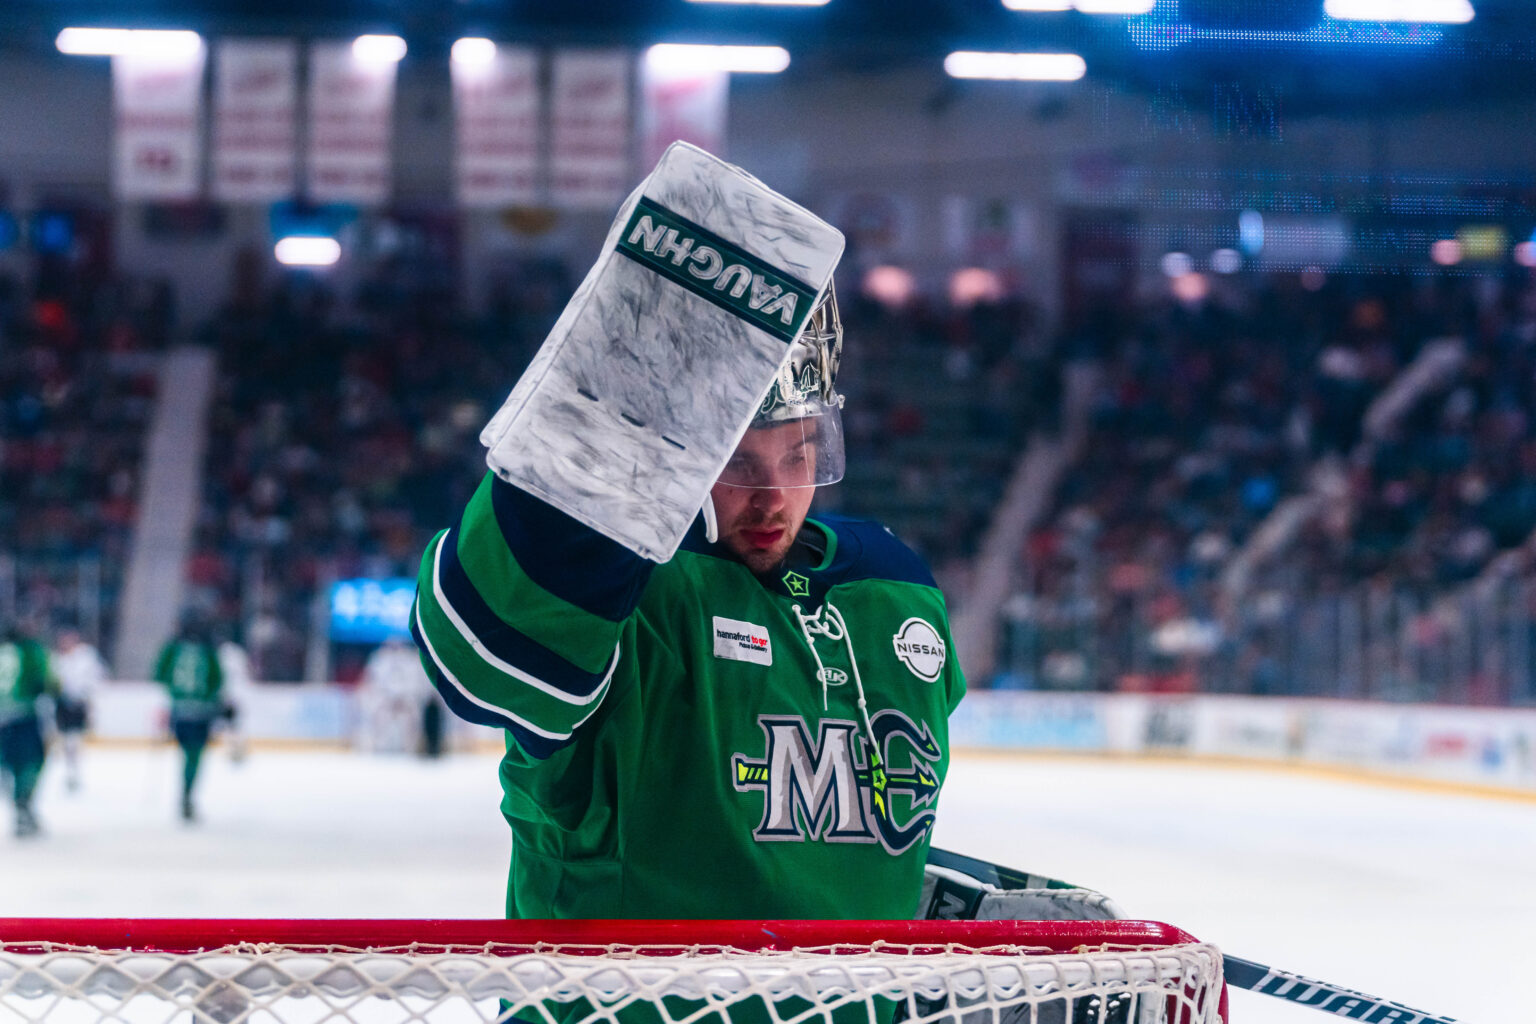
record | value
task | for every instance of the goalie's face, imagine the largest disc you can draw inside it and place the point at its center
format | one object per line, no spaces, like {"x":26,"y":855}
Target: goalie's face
{"x":765,"y":491}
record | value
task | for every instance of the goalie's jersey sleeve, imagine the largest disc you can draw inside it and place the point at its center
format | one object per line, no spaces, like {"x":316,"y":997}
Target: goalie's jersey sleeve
{"x":518,"y":616}
{"x":708,"y":761}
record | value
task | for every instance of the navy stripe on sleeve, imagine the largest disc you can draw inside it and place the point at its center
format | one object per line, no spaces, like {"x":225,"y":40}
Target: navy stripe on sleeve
{"x":867,"y":550}
{"x":567,"y":558}
{"x":537,"y":746}
{"x":504,"y":641}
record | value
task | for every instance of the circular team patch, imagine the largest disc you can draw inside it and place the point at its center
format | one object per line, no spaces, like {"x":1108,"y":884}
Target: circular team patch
{"x":920,"y":648}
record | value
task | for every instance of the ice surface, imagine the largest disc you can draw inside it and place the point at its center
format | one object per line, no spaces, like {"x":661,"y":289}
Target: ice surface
{"x":281,"y":835}
{"x":1423,"y":897}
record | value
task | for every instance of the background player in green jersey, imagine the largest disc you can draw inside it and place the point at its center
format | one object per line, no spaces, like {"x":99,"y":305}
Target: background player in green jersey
{"x":24,"y":677}
{"x":755,"y":727}
{"x":188,"y":667}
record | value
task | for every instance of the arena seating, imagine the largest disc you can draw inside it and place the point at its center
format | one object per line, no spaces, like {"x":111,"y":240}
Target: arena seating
{"x":1209,"y":420}
{"x":77,"y":387}
{"x":1245,"y":431}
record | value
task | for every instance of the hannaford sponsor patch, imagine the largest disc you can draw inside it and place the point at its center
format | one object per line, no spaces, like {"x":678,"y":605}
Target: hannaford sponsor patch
{"x":742,"y":641}
{"x":920,"y":648}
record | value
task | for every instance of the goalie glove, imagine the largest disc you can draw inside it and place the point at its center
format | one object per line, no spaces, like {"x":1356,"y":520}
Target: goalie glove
{"x":636,"y":400}
{"x":950,"y":895}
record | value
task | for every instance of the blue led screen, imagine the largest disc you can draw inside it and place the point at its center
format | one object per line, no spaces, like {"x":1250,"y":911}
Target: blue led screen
{"x":370,"y":611}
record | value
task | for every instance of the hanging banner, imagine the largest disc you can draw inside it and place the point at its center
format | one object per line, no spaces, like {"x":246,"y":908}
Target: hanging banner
{"x":496,"y":118}
{"x":157,"y":102}
{"x":255,"y":109}
{"x":988,"y":232}
{"x":686,"y":106}
{"x":590,"y":121}
{"x":881,"y":225}
{"x":351,"y":109}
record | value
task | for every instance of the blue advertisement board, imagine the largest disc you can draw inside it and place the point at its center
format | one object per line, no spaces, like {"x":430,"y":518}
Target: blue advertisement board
{"x":369,"y":611}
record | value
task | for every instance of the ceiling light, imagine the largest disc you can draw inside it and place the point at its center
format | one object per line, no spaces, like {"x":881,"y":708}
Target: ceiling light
{"x":472,"y":52}
{"x":1226,"y":261}
{"x":1176,"y":264}
{"x":307,"y":251}
{"x":1250,"y":231}
{"x":1447,"y":12}
{"x":1446,"y":252}
{"x":1027,"y":67}
{"x":378,"y":49}
{"x":1083,"y":6}
{"x":111,"y":42}
{"x":970,"y":286}
{"x":890,"y":285}
{"x":1115,"y":6}
{"x":1191,"y":288}
{"x":683,"y":57}
{"x":1482,"y":242}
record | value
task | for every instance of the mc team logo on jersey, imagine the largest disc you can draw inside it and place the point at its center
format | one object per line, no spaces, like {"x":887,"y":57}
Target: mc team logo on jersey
{"x":821,"y":788}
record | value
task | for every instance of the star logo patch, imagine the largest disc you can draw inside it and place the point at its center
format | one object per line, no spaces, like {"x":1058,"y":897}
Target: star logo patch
{"x":796,"y":584}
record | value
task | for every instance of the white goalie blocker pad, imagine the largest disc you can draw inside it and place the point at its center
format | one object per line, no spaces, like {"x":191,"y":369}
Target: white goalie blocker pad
{"x":954,"y":895}
{"x":630,"y":409}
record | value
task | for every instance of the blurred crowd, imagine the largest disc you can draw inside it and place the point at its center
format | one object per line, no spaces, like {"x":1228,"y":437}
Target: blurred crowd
{"x":1452,"y":481}
{"x":78,"y":364}
{"x":344,"y":434}
{"x":1286,"y":485}
{"x":939,"y":400}
{"x":1295,"y":491}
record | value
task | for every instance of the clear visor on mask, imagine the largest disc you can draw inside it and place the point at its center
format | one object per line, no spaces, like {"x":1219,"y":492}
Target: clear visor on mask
{"x":804,"y":452}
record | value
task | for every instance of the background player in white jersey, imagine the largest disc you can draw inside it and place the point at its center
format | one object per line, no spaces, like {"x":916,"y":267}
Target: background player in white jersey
{"x":235,"y":665}
{"x":398,"y":710}
{"x":81,"y":671}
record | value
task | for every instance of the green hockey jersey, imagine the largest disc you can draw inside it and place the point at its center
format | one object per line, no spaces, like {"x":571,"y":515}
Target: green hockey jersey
{"x":189,"y":670}
{"x":685,"y":740}
{"x":24,"y":677}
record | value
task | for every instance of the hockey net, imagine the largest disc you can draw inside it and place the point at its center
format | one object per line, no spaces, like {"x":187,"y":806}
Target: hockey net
{"x":606,"y":972}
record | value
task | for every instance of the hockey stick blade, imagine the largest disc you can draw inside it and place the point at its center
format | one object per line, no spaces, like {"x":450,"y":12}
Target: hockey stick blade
{"x":1245,"y":974}
{"x":1320,"y":995}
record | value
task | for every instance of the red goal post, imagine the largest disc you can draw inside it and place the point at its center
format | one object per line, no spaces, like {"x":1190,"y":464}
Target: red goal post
{"x":64,"y":971}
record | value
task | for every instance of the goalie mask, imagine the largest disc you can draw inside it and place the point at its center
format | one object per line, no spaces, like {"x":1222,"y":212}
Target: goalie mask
{"x":796,"y":438}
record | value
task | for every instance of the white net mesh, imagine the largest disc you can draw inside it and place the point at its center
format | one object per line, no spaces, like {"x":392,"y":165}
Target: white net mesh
{"x":663,"y":984}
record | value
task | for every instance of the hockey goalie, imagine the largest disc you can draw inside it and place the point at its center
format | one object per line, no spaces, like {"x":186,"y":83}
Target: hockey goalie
{"x":717,"y":702}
